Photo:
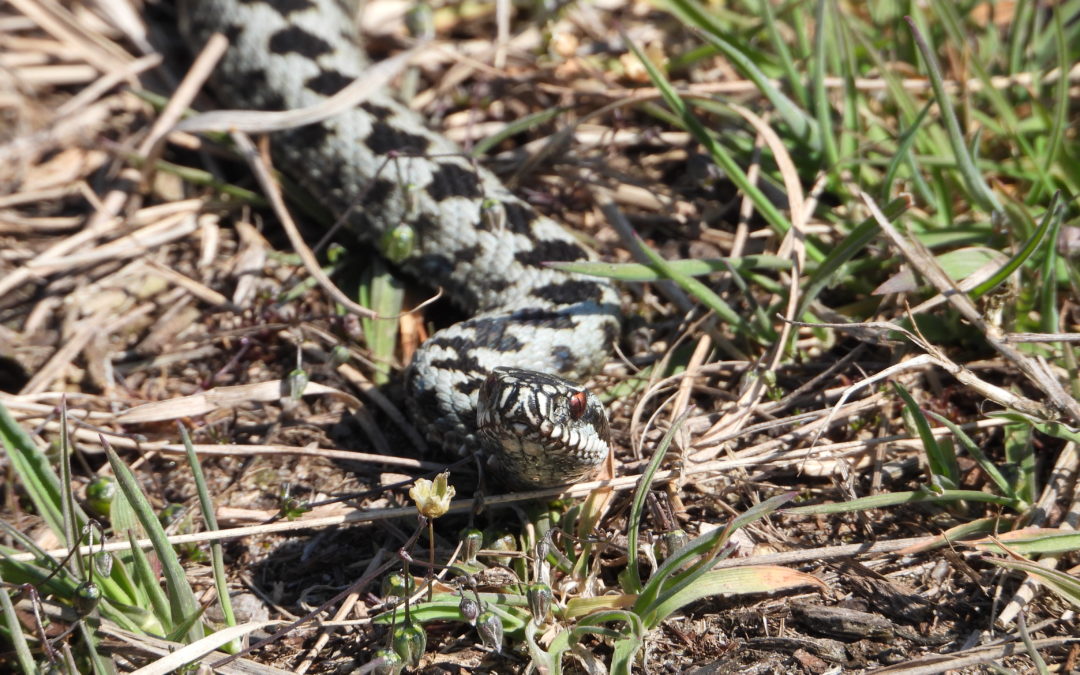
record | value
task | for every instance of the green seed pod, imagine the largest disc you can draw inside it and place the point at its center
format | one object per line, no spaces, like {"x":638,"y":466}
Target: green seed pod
{"x":409,"y":642}
{"x":539,"y":596}
{"x":100,"y":494}
{"x":338,"y":355}
{"x":490,"y":628}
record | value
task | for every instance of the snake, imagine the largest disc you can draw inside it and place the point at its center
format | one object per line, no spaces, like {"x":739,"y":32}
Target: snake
{"x":501,"y":382}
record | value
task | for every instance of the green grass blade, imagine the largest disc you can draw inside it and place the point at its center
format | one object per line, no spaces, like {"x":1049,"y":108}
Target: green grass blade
{"x":765,"y":207}
{"x":855,"y":241}
{"x":671,"y":580}
{"x":707,"y":297}
{"x":1063,"y":584}
{"x":158,"y":602}
{"x":980,"y":457}
{"x":182,"y":602}
{"x":630,"y":578}
{"x":752,"y":579}
{"x":15,"y":634}
{"x":1048,"y":290}
{"x":1018,"y":36}
{"x":34,"y":472}
{"x":787,"y":63}
{"x":980,"y":192}
{"x":899,"y":498}
{"x":638,"y":272}
{"x":221,"y":583}
{"x":1023,"y":254}
{"x":803,"y":126}
{"x":514,"y":128}
{"x":1059,"y":120}
{"x":382,"y":292}
{"x":903,"y":153}
{"x":1033,"y":541}
{"x":822,"y":109}
{"x":943,"y":467}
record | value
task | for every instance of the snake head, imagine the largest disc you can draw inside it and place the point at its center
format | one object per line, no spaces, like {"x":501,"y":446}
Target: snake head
{"x":541,"y":429}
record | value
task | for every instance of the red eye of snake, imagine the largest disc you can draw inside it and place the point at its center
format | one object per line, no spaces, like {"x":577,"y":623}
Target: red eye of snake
{"x":577,"y":405}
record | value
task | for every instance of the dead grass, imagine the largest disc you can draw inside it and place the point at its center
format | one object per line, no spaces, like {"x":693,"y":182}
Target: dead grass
{"x":144,"y":297}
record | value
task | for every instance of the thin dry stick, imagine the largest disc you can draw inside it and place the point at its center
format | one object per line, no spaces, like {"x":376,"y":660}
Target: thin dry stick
{"x":311,"y":263}
{"x":151,"y":147}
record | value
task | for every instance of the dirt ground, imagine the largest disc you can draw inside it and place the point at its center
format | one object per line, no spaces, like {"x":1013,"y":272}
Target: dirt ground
{"x":145,"y":282}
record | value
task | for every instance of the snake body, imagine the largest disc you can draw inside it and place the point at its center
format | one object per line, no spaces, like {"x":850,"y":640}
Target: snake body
{"x":530,"y":326}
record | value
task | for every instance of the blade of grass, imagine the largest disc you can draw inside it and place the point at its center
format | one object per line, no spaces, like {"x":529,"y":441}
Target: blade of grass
{"x":157,"y":602}
{"x":705,"y":295}
{"x":980,"y":457}
{"x":780,"y":47}
{"x":980,"y":192}
{"x":630,"y":578}
{"x":903,"y":153}
{"x":803,"y":126}
{"x":944,"y":471}
{"x":182,"y":602}
{"x":1029,"y":248}
{"x":516,"y":127}
{"x":855,"y":241}
{"x":1064,"y":585}
{"x":15,"y":633}
{"x":34,"y":472}
{"x":206,"y":505}
{"x":1059,"y":123}
{"x":765,"y":207}
{"x":638,"y":272}
{"x":822,"y":109}
{"x":898,"y":498}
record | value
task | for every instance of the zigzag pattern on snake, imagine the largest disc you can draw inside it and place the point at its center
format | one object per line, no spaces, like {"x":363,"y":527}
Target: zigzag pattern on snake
{"x":473,"y":237}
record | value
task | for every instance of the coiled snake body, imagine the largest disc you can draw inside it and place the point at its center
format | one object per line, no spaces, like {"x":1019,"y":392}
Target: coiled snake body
{"x":530,"y":325}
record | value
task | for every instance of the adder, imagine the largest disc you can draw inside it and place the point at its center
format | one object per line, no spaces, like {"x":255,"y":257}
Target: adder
{"x":501,"y":380}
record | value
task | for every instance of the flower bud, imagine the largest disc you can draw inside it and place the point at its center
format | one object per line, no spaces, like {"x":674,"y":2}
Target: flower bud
{"x":398,"y":584}
{"x":100,"y":494}
{"x":490,"y":628}
{"x":87,"y":597}
{"x":469,"y":609}
{"x":673,"y":541}
{"x":409,"y":642}
{"x":539,"y":596}
{"x":391,"y":662}
{"x":103,"y":563}
{"x":473,"y":542}
{"x":504,"y":543}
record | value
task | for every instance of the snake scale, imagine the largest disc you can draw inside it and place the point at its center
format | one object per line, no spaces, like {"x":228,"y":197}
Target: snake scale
{"x":530,"y":326}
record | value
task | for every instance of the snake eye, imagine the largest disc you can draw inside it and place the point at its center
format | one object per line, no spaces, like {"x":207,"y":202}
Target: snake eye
{"x":578,"y":401}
